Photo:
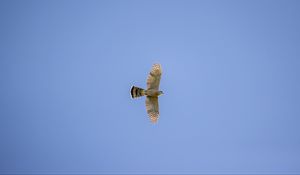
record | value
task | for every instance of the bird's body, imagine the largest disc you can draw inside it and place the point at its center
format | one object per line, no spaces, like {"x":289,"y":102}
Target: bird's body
{"x":152,"y":92}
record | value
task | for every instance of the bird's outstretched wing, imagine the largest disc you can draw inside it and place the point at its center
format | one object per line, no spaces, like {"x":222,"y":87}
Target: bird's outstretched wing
{"x":152,"y":108}
{"x":154,"y":77}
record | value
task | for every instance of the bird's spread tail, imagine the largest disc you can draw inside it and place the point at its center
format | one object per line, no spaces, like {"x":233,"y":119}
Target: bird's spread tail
{"x":137,"y":92}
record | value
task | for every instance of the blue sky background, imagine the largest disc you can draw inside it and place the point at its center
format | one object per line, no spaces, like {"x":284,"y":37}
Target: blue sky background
{"x":230,"y":77}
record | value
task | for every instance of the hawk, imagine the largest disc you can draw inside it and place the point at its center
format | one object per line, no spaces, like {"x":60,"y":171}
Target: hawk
{"x":151,"y":93}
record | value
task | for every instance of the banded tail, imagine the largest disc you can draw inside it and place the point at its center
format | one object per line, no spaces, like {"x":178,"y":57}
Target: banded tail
{"x":137,"y":92}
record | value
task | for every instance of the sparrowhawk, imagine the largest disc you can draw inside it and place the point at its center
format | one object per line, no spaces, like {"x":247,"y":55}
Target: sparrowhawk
{"x":151,"y":93}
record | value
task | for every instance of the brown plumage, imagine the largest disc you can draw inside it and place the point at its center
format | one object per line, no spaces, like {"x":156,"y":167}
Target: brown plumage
{"x":151,"y":93}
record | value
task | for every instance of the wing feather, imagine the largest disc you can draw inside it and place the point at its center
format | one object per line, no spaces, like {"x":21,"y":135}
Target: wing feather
{"x":153,"y":79}
{"x":152,"y":108}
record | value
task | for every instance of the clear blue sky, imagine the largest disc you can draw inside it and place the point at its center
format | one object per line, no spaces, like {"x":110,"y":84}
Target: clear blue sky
{"x":230,"y":77}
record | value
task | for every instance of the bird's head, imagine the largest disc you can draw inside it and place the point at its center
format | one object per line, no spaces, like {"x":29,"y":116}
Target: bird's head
{"x":160,"y":93}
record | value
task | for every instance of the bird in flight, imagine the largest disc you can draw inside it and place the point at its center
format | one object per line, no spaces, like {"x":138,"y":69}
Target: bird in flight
{"x":152,"y":92}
